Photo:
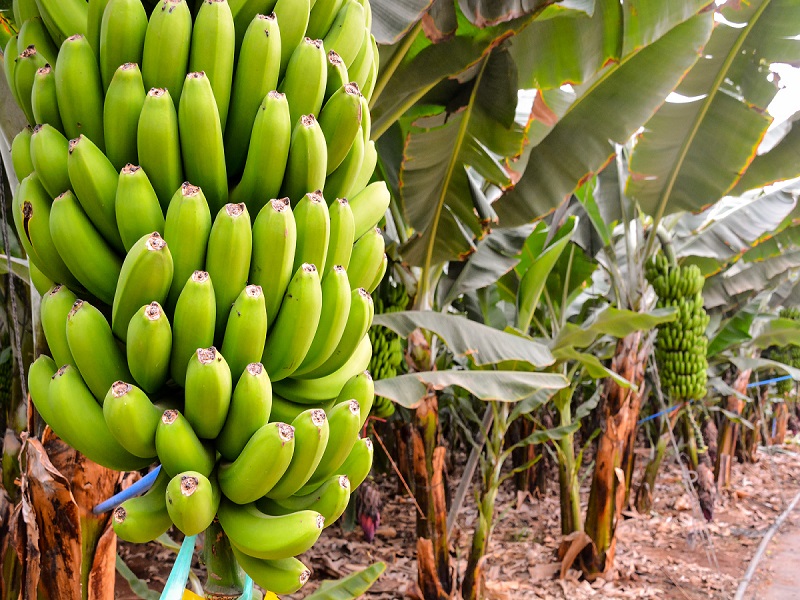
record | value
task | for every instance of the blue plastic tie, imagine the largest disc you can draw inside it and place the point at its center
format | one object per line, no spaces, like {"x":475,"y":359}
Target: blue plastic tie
{"x":247,"y":594}
{"x":768,"y":381}
{"x":659,"y":414}
{"x":137,"y":489}
{"x":176,"y":583}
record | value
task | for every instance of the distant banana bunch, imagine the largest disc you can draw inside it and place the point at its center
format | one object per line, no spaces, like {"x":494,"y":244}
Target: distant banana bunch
{"x":681,"y":346}
{"x":196,"y":205}
{"x":387,"y":347}
{"x":788,"y":355}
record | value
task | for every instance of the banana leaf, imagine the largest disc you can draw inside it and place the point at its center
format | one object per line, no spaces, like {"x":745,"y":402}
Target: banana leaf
{"x":497,"y":386}
{"x":780,"y":163}
{"x":694,"y":149}
{"x":351,"y":587}
{"x":482,"y":344}
{"x":610,"y":321}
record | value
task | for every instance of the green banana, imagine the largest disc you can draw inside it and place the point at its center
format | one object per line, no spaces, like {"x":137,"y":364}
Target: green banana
{"x":33,"y":33}
{"x":336,"y":300}
{"x":341,"y":182}
{"x":122,"y":33}
{"x":347,"y":32}
{"x":379,"y":274}
{"x":361,"y":68}
{"x":360,"y":388}
{"x":55,"y":306}
{"x":251,"y":404}
{"x":143,"y":519}
{"x":337,"y":74}
{"x":64,"y":18}
{"x":21,"y":154}
{"x":330,"y":499}
{"x":321,"y":18}
{"x":157,"y":138}
{"x":123,"y":105}
{"x":49,"y":156}
{"x":244,"y":11}
{"x":259,"y":466}
{"x":344,"y":422}
{"x":22,"y":10}
{"x":293,"y":20}
{"x":291,"y":336}
{"x":41,"y":282}
{"x":366,"y":120}
{"x":308,"y":156}
{"x":94,"y":23}
{"x":313,"y":231}
{"x":267,"y":154}
{"x":186,"y":230}
{"x":169,"y":34}
{"x":96,"y":353}
{"x":230,"y":245}
{"x":202,"y":147}
{"x":79,"y":90}
{"x":358,"y":321}
{"x":304,"y":80}
{"x":78,"y":418}
{"x":368,"y":163}
{"x":274,"y":236}
{"x":132,"y":419}
{"x":340,"y":121}
{"x":366,"y":260}
{"x":193,"y":323}
{"x":310,"y":391}
{"x":372,"y":77}
{"x":10,"y":54}
{"x":208,"y":392}
{"x":149,"y":344}
{"x":284,"y":576}
{"x":267,"y":536}
{"x":87,"y":255}
{"x":146,"y":276}
{"x":286,"y":411}
{"x":192,"y":501}
{"x":40,"y":373}
{"x":311,"y":432}
{"x":358,"y":463}
{"x":256,"y":74}
{"x":245,"y":330}
{"x":136,"y":206}
{"x":28,"y":63}
{"x":94,"y":181}
{"x":179,"y":449}
{"x":342,"y":237}
{"x":369,"y":207}
{"x":212,"y":51}
{"x":44,"y":101}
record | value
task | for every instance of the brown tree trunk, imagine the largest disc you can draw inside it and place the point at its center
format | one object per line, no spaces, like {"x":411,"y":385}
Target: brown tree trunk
{"x":730,"y":431}
{"x":781,"y":416}
{"x":619,"y":412}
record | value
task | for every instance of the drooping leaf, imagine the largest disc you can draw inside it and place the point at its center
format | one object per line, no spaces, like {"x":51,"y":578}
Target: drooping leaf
{"x":762,"y":364}
{"x":540,"y":436}
{"x":483,"y":13}
{"x":498,"y":386}
{"x":594,"y":368}
{"x":484,"y":345}
{"x":694,"y":150}
{"x":611,"y":321}
{"x":734,"y":331}
{"x":780,"y":163}
{"x":392,"y":18}
{"x":610,"y":106}
{"x":778,"y":332}
{"x":351,"y":587}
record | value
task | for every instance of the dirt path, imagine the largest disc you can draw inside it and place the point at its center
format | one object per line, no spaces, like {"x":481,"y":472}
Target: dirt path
{"x":778,"y":575}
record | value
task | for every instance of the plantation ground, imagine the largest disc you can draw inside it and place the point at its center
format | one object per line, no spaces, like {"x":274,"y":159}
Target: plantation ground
{"x":669,"y":554}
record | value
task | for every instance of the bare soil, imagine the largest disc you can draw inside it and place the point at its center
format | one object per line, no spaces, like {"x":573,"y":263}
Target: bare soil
{"x":671,"y":553}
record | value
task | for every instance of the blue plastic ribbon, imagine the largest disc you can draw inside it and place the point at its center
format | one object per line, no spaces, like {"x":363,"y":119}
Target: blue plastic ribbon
{"x":661,"y":413}
{"x":247,"y":594}
{"x":137,"y":489}
{"x":768,"y":381}
{"x":176,"y":583}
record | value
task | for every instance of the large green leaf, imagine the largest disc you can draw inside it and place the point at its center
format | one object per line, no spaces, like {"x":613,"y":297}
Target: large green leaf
{"x":608,"y":108}
{"x":482,"y":344}
{"x":694,"y":150}
{"x":778,"y":332}
{"x":611,"y":321}
{"x":731,"y":226}
{"x":762,"y":364}
{"x":484,"y":13}
{"x":735,"y":330}
{"x":780,"y":163}
{"x":499,"y":386}
{"x":351,"y":587}
{"x":448,"y":157}
{"x":592,"y":365}
{"x":392,"y":18}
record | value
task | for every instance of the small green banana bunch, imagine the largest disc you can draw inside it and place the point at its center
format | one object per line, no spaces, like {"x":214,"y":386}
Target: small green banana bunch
{"x":387,"y":347}
{"x":788,"y":355}
{"x":681,"y":345}
{"x":196,"y":206}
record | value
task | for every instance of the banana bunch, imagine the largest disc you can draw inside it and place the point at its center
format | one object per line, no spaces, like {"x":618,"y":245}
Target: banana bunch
{"x":788,"y":355}
{"x":680,"y":345}
{"x":387,"y":346}
{"x":195,"y":198}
